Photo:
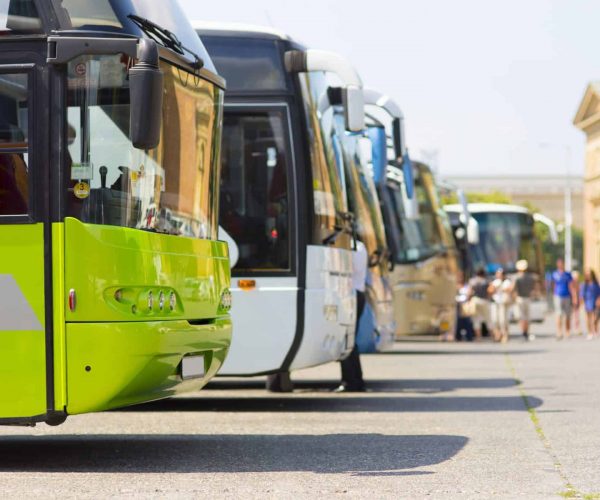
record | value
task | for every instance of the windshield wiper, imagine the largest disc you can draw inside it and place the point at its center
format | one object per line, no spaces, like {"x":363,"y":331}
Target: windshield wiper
{"x":165,"y":37}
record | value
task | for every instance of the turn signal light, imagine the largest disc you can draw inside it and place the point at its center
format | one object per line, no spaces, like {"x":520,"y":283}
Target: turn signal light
{"x":226,"y":300}
{"x":247,"y":284}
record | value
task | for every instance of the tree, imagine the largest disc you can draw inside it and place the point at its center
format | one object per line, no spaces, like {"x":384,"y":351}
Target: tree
{"x":493,"y":197}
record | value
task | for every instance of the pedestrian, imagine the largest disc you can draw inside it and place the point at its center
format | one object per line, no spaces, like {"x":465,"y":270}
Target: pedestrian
{"x":481,"y":301}
{"x":576,"y":314}
{"x":465,"y":311}
{"x":352,"y":376}
{"x":500,"y":289}
{"x":590,"y":297}
{"x":525,"y":285}
{"x":562,"y":283}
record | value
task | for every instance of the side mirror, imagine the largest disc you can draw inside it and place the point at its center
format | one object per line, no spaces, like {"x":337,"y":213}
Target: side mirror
{"x":398,"y":137}
{"x":378,"y":153}
{"x":146,"y":94}
{"x":409,"y":177}
{"x":472,"y":231}
{"x":354,"y":108}
{"x":411,"y":205}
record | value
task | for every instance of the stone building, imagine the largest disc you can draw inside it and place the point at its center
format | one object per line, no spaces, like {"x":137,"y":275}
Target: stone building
{"x":587,"y":120}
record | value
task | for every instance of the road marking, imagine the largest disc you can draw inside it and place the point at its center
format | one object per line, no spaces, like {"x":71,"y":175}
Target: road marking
{"x":15,"y":312}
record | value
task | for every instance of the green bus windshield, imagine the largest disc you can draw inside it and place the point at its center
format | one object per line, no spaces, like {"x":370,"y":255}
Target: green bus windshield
{"x":171,"y":189}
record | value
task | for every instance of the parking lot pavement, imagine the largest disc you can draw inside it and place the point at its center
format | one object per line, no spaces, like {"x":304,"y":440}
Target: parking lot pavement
{"x":441,"y":420}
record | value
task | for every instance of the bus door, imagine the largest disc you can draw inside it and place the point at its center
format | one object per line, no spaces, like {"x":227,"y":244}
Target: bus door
{"x":257,"y":210}
{"x":24,"y":238}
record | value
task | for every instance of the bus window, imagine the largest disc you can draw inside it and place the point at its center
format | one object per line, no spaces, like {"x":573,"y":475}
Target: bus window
{"x":421,"y":238}
{"x":169,"y":189}
{"x":504,"y":238}
{"x":247,"y":64}
{"x":14,"y":185}
{"x":254,"y":189}
{"x":328,"y":191}
{"x":19,"y":17}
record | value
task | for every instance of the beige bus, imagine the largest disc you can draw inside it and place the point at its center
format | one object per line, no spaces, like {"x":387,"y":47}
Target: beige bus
{"x":425,"y":275}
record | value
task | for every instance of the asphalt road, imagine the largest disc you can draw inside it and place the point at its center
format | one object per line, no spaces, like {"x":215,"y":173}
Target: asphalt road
{"x":441,"y":421}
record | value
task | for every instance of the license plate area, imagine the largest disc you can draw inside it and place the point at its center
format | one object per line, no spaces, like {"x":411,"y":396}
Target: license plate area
{"x":192,"y":367}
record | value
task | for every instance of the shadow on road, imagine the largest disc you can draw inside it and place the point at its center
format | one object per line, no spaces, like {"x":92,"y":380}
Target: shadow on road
{"x":420,"y":386}
{"x":362,"y":454}
{"x":334,"y":404}
{"x":457,"y":352}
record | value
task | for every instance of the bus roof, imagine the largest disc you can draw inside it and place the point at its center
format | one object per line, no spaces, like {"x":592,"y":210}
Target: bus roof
{"x":238,"y":29}
{"x":475,"y":208}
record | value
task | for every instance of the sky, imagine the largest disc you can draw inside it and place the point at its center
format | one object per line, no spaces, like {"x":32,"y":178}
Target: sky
{"x":486,"y":87}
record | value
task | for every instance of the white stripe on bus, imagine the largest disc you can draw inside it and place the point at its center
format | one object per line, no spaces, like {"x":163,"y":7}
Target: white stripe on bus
{"x":15,"y":312}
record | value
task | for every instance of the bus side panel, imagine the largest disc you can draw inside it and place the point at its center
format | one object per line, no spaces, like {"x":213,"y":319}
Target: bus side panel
{"x":330,"y":307}
{"x":22,"y":321}
{"x":265,"y":320}
{"x":110,"y":365}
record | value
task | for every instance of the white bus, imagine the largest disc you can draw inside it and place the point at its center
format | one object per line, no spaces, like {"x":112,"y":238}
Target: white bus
{"x":284,"y":203}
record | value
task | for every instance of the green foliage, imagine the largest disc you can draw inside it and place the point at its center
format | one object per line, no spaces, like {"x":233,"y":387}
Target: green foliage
{"x":493,"y":197}
{"x":553,"y":251}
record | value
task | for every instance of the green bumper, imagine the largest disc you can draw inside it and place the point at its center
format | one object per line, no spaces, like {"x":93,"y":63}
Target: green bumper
{"x":110,"y":365}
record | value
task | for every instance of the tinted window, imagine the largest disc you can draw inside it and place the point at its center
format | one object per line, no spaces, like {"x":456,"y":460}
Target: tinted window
{"x":112,"y":15}
{"x":14,"y":184}
{"x":329,"y":194}
{"x":247,"y":64}
{"x":254,"y":198}
{"x":504,"y":238}
{"x":362,"y":195}
{"x":171,"y":189}
{"x":424,"y":237}
{"x":19,"y":16}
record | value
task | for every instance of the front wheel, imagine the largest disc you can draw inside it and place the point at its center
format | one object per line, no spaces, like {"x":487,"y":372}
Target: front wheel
{"x":279,"y":382}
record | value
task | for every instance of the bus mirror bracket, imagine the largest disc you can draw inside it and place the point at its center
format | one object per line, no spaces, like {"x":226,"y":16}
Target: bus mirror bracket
{"x":304,"y":61}
{"x":62,"y":49}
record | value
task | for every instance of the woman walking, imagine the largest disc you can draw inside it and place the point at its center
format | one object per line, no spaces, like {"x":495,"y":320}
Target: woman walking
{"x":501,"y":290}
{"x":590,"y":295}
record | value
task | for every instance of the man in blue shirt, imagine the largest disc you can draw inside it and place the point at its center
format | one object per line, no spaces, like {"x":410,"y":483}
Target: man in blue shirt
{"x":564,"y":293}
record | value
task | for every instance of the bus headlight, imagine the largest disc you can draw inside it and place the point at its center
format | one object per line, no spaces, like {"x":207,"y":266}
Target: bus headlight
{"x":226,"y":300}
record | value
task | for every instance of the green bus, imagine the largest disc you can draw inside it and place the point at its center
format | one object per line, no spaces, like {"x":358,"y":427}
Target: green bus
{"x":113,"y":287}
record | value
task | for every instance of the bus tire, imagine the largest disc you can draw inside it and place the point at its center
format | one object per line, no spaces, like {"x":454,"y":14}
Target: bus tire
{"x":279,"y":382}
